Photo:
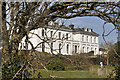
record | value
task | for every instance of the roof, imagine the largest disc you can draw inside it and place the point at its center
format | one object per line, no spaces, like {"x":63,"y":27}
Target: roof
{"x":80,"y":30}
{"x":102,"y":49}
{"x":75,"y":30}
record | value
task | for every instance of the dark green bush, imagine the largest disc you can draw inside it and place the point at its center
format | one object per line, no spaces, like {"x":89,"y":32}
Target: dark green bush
{"x":56,"y":64}
{"x":74,"y":68}
{"x":82,"y":67}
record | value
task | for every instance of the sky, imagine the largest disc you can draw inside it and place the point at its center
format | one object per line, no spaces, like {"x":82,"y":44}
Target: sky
{"x":96,"y":24}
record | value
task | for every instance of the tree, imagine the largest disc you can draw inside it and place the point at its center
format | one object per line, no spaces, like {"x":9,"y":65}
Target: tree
{"x":19,"y":18}
{"x":108,"y":45}
{"x":114,"y":58}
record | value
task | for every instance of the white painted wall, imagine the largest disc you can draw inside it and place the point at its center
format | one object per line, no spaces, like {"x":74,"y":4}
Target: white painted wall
{"x":73,"y":40}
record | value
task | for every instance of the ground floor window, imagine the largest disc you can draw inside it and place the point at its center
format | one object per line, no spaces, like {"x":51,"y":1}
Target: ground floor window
{"x":83,"y":50}
{"x":95,"y":50}
{"x":75,"y":48}
{"x":67,"y":48}
{"x":43,"y":47}
{"x":51,"y":47}
{"x":59,"y":48}
{"x":87,"y":49}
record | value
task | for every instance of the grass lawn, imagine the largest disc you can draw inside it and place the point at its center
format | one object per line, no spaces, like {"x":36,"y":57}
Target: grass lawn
{"x":70,"y":74}
{"x":91,"y":73}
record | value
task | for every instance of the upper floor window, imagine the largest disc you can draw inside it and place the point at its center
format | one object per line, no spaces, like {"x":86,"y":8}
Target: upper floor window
{"x":87,"y":38}
{"x":63,"y":36}
{"x":51,"y":33}
{"x":94,"y":39}
{"x":59,"y":35}
{"x":42,"y":32}
{"x":91,"y":39}
{"x":67,"y":48}
{"x":66,"y":35}
{"x":83,"y":38}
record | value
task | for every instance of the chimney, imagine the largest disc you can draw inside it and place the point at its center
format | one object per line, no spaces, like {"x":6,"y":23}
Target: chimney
{"x":85,"y":29}
{"x":71,"y":26}
{"x":89,"y":30}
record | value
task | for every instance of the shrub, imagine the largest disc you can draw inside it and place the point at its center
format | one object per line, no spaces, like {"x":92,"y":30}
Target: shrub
{"x":56,"y":64}
{"x":74,"y":68}
{"x":115,"y":74}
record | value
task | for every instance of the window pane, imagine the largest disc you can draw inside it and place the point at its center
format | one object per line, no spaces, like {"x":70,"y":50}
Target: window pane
{"x":42,"y":32}
{"x":67,"y":36}
{"x":67,"y":48}
{"x":51,"y":33}
{"x":43,"y":47}
{"x":59,"y":35}
{"x":59,"y":48}
{"x":51,"y":47}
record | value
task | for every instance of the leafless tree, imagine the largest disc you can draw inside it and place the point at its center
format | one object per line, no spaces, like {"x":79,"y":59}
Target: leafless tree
{"x":19,"y":18}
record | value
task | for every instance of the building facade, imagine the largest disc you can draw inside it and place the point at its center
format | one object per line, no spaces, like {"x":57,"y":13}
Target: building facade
{"x":59,"y":39}
{"x":102,"y":51}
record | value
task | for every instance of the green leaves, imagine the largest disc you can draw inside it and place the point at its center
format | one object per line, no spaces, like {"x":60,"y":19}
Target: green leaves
{"x":56,"y":64}
{"x":10,"y":68}
{"x":117,"y":72}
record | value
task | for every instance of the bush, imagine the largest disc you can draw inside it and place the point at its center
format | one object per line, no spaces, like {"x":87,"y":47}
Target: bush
{"x":56,"y":64}
{"x":115,"y":74}
{"x":74,"y":68}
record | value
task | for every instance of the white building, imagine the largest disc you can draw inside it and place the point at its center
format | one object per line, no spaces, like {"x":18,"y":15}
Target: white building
{"x":102,"y":51}
{"x":55,"y":39}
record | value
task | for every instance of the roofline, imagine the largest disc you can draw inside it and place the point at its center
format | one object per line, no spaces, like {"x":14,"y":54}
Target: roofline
{"x":72,"y":30}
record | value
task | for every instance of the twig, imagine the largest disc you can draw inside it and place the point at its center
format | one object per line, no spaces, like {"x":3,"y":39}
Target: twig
{"x":105,"y":39}
{"x":18,"y":72}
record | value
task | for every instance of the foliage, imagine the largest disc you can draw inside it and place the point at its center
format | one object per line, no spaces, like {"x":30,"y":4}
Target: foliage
{"x":98,"y":59}
{"x":27,"y":74}
{"x":33,"y":73}
{"x":80,"y":59}
{"x":56,"y":64}
{"x":115,"y":73}
{"x":39,"y":75}
{"x":10,"y":68}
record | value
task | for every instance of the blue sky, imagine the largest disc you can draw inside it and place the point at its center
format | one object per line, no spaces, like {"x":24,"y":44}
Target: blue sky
{"x":96,"y":24}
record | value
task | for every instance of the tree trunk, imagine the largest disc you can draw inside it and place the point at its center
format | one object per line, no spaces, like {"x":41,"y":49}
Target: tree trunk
{"x":5,"y":39}
{"x":107,"y":60}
